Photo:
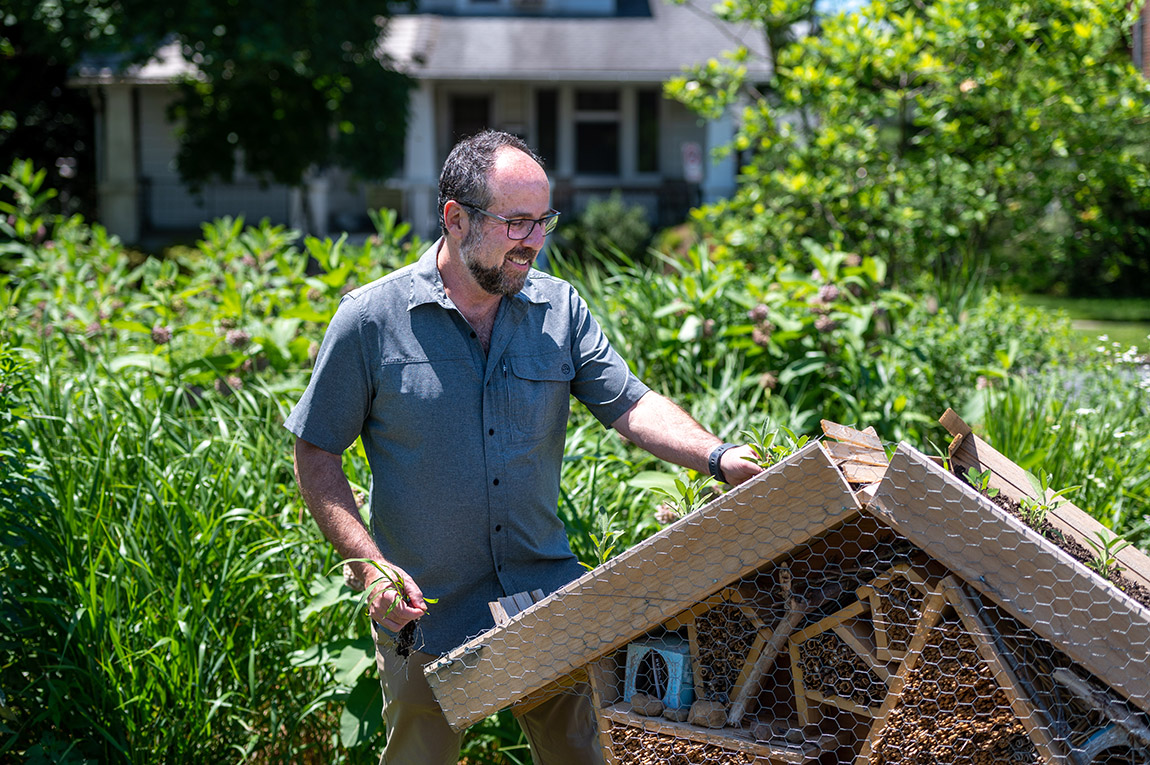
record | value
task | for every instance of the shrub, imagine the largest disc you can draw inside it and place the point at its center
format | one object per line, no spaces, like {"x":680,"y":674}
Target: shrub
{"x":609,"y":223}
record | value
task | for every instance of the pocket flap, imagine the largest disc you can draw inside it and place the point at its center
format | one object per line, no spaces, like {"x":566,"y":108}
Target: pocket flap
{"x":554,"y":367}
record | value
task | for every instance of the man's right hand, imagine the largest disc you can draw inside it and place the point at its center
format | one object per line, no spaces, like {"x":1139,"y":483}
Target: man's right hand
{"x":394,"y":598}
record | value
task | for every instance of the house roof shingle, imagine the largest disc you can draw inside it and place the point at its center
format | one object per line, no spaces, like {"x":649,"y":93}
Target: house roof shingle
{"x":629,"y":48}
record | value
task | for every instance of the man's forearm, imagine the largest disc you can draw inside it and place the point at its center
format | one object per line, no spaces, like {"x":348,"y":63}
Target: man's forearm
{"x":660,"y":426}
{"x":330,"y":500}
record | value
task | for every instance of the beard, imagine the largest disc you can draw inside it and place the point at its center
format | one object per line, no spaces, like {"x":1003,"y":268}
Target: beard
{"x":493,"y":279}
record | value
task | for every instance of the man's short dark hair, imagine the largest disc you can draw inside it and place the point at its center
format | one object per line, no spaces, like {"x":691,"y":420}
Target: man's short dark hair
{"x":464,"y":175}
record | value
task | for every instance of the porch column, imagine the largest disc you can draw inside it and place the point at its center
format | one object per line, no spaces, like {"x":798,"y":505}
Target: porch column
{"x":719,"y":181}
{"x":420,"y":170}
{"x":118,"y":186}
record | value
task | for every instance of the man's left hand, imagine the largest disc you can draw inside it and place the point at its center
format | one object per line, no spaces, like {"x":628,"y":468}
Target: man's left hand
{"x":739,"y":464}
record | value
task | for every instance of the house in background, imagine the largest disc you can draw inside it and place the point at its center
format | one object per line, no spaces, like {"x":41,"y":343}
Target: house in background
{"x":580,"y":80}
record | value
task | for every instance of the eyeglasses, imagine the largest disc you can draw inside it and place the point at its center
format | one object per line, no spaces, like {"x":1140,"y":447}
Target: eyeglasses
{"x":520,"y":228}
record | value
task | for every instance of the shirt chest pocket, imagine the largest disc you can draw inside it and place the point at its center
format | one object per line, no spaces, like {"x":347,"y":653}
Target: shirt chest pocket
{"x":538,"y":395}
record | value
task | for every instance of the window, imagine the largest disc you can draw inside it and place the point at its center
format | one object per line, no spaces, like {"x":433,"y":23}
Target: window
{"x":597,"y":132}
{"x":469,"y":115}
{"x":647,"y":151}
{"x":547,"y":125}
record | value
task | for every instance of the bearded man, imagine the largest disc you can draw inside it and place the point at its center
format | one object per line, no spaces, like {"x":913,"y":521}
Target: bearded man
{"x":457,"y":372}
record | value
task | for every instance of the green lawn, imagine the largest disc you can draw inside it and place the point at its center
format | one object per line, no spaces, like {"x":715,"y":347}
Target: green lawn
{"x":1124,"y":321}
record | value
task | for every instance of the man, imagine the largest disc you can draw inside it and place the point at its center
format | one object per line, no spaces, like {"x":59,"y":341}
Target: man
{"x":457,"y":372}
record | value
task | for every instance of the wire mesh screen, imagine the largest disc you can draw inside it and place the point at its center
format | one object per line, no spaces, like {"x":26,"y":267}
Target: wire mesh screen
{"x":805,"y":618}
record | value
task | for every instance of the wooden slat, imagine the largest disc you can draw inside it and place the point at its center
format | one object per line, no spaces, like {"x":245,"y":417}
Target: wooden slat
{"x":603,"y":695}
{"x":856,"y":472}
{"x":866,"y":438}
{"x":508,"y":606}
{"x":861,"y":640}
{"x":870,"y":591}
{"x":844,"y":704}
{"x":808,"y":713}
{"x":841,"y":452}
{"x":755,"y":523}
{"x":725,"y":738}
{"x":1025,"y":709}
{"x":1042,"y":586}
{"x":498,"y":612}
{"x":796,"y":610}
{"x":931,"y":615}
{"x":1012,"y":481}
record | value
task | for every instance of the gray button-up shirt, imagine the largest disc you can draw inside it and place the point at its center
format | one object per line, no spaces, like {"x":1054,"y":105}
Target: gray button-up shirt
{"x":465,"y":448}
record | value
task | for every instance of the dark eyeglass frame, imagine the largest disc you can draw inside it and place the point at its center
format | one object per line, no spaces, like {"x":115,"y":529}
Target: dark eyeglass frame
{"x":549,"y":221}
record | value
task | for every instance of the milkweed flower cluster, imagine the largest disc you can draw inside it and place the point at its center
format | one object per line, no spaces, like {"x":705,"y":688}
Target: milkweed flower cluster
{"x":761,"y":333}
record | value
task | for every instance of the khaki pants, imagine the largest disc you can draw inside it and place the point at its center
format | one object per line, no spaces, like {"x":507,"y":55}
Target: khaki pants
{"x":560,"y":731}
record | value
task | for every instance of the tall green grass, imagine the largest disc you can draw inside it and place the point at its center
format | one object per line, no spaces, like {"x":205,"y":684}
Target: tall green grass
{"x":159,"y":590}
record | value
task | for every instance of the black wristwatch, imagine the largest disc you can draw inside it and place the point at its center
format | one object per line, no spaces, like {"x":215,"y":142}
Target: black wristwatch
{"x":714,"y":460}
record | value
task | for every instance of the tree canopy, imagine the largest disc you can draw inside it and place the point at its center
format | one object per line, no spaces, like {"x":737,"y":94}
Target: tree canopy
{"x":944,"y":136}
{"x":279,"y":86}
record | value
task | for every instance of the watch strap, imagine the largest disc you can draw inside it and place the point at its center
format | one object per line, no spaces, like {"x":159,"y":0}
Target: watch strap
{"x":715,"y":459}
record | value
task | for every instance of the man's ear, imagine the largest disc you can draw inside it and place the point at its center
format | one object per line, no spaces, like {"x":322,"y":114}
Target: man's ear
{"x":455,"y":219}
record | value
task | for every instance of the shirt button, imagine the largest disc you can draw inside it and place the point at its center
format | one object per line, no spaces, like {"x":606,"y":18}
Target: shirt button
{"x":491,"y":431}
{"x":472,"y":335}
{"x":499,"y":527}
{"x":499,"y":567}
{"x":495,"y":482}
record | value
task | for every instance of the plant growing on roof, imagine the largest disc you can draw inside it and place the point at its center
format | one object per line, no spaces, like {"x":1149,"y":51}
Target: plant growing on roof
{"x":769,"y":447}
{"x":980,"y":480}
{"x":1106,"y":551}
{"x":1035,"y":509}
{"x":603,"y":538}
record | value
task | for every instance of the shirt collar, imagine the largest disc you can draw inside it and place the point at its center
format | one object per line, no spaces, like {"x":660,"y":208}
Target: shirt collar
{"x":427,"y":284}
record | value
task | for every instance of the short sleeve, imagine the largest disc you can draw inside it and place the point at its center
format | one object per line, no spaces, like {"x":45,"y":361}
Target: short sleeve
{"x":603,"y":381}
{"x":333,"y":408}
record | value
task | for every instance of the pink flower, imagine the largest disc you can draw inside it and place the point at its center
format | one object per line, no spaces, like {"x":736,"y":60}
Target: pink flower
{"x":237,"y":338}
{"x":161,"y":335}
{"x":825,"y":324}
{"x":758,"y":313}
{"x":828,"y":293}
{"x":225,"y":387}
{"x":666,"y":514}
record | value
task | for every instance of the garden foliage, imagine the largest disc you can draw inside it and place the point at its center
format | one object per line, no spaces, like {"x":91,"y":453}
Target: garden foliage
{"x":948,"y":138}
{"x":166,"y":597}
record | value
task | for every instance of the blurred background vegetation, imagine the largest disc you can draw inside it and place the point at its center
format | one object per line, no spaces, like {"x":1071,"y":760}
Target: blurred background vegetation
{"x":932,"y":195}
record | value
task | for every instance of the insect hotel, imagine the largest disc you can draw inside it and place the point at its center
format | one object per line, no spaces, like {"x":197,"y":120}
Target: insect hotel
{"x":839,"y":608}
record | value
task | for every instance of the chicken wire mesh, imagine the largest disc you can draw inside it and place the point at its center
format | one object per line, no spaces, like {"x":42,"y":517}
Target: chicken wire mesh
{"x":802,"y":618}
